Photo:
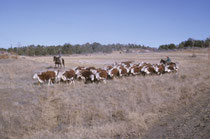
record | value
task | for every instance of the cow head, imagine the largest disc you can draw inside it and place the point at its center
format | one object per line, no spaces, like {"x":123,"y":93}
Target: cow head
{"x":36,"y":76}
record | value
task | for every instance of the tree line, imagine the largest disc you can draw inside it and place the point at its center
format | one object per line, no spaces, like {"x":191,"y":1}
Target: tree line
{"x":41,"y":50}
{"x":190,"y":43}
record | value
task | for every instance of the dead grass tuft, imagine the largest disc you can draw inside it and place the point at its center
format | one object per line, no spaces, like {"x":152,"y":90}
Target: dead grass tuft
{"x":119,"y":116}
{"x":4,"y":56}
{"x":8,"y":56}
{"x":183,"y":77}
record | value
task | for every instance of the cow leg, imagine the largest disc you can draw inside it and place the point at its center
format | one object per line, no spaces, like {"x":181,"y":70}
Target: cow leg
{"x":48,"y":82}
{"x":51,"y":81}
{"x":73,"y":83}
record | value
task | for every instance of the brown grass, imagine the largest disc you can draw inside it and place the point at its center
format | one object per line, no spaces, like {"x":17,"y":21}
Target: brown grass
{"x":4,"y":56}
{"x":128,"y":107}
{"x":7,"y":56}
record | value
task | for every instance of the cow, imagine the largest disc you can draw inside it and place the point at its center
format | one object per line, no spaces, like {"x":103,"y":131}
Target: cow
{"x":66,"y":76}
{"x":90,"y":68}
{"x":135,"y":70}
{"x":148,"y":69}
{"x":123,"y":71}
{"x":113,"y":73}
{"x":151,"y":69}
{"x":128,"y":63}
{"x":160,"y":69}
{"x":78,"y":71}
{"x":85,"y":75}
{"x":48,"y":76}
{"x":171,"y":67}
{"x":109,"y":67}
{"x":79,"y":68}
{"x":101,"y":75}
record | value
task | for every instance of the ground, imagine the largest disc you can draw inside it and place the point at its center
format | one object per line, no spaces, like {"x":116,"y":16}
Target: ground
{"x":168,"y":106}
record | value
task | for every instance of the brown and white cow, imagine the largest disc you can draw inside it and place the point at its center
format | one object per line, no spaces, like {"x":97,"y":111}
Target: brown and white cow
{"x":109,"y":67}
{"x":148,"y":69}
{"x":66,"y":76}
{"x":85,"y":75}
{"x":113,"y":73}
{"x":127,"y":63}
{"x":101,"y":75}
{"x":123,"y":71}
{"x":48,"y":76}
{"x":135,"y":70}
{"x":171,"y":67}
{"x":159,"y":68}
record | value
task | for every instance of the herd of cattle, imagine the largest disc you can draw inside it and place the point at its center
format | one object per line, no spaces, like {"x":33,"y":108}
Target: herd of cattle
{"x":116,"y":70}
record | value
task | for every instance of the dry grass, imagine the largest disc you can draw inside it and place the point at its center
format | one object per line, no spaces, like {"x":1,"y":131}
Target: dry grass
{"x":123,"y":108}
{"x":4,"y":56}
{"x":7,"y":56}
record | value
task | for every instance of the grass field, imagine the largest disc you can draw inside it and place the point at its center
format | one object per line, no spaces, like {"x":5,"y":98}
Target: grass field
{"x":168,"y":106}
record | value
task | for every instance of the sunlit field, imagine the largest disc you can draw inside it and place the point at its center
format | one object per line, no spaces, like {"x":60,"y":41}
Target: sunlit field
{"x":174,"y":105}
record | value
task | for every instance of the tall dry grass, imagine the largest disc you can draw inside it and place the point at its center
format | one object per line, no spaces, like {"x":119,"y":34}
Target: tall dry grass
{"x":8,"y":55}
{"x":122,"y":108}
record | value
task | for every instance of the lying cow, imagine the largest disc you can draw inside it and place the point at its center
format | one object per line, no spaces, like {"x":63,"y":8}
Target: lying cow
{"x":48,"y":76}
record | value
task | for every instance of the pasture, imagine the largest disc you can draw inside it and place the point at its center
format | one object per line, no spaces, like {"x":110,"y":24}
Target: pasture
{"x":169,"y":106}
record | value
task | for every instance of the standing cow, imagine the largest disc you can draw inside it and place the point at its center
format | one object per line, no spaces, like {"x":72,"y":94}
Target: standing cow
{"x":48,"y":76}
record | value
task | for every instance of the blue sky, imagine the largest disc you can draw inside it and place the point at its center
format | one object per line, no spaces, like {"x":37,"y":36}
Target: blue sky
{"x":146,"y":22}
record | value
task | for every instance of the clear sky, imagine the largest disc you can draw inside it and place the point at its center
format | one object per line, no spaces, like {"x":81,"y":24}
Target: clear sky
{"x":145,"y":22}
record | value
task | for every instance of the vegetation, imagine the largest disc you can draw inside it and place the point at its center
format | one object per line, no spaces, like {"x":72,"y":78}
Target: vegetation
{"x":38,"y":50}
{"x":190,"y":43}
{"x":167,"y":46}
{"x":41,"y":50}
{"x":2,"y":49}
{"x":129,"y":108}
